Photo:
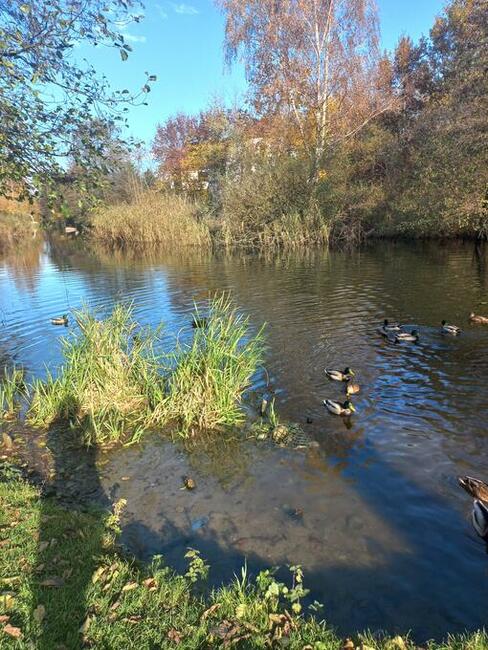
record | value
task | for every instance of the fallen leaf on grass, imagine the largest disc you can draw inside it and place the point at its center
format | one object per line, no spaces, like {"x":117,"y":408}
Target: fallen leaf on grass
{"x":86,"y":625}
{"x":151,"y":584}
{"x":115,"y":605}
{"x":348,"y":645}
{"x":98,"y":574}
{"x":174,"y":635}
{"x":133,"y":619}
{"x":211,"y":610}
{"x":43,"y":546}
{"x":10,"y":581}
{"x":12,"y":631}
{"x":53,"y":581}
{"x":4,"y":618}
{"x":130,"y":586}
{"x":7,"y":600}
{"x":39,"y":613}
{"x":4,"y":542}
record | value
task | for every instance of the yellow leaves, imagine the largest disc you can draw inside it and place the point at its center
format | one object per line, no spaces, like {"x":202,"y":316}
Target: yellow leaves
{"x":130,"y":586}
{"x":7,"y":600}
{"x":150,"y":584}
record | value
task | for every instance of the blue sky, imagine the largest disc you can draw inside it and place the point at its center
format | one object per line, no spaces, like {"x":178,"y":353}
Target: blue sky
{"x":181,"y":43}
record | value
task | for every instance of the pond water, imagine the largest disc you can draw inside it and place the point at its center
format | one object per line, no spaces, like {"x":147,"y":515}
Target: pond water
{"x":385,"y":537}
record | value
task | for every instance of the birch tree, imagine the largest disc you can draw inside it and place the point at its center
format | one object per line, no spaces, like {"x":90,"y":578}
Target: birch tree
{"x":317,"y":61}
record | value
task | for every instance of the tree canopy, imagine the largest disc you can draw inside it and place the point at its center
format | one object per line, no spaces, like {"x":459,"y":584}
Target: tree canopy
{"x":54,"y":107}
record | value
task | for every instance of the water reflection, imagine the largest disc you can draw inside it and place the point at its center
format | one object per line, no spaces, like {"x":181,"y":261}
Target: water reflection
{"x":384,"y":536}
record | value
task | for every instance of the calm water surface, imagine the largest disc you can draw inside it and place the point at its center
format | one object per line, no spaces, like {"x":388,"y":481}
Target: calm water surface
{"x":385,"y":538}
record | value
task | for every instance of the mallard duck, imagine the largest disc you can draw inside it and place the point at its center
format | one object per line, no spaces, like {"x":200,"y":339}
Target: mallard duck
{"x":480,"y":518}
{"x":475,"y":487}
{"x":60,"y":320}
{"x":352,"y":388}
{"x":337,"y":375}
{"x":450,"y":329}
{"x":476,"y":318}
{"x":336,"y":408}
{"x":407,"y":337}
{"x":391,"y":327}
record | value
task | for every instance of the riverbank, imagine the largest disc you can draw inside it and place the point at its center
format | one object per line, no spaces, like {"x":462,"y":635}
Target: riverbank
{"x":252,"y":222}
{"x":66,"y":583}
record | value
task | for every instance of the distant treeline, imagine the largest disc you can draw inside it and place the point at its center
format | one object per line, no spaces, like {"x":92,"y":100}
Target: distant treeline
{"x":337,"y":141}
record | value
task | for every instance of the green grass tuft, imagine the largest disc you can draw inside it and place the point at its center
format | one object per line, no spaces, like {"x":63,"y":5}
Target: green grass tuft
{"x":12,"y":389}
{"x":114,"y":385}
{"x":108,"y":381}
{"x":210,"y":374}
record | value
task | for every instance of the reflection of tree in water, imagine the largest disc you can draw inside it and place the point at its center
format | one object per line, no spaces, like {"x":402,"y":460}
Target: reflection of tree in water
{"x":23,"y":264}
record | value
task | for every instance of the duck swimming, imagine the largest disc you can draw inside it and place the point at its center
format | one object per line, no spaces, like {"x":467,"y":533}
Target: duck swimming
{"x":352,"y":388}
{"x":60,"y":320}
{"x":337,"y":375}
{"x":450,"y":329}
{"x":476,"y":318}
{"x":336,"y":408}
{"x":407,"y":337}
{"x":480,"y":518}
{"x":391,"y":327}
{"x":475,"y":487}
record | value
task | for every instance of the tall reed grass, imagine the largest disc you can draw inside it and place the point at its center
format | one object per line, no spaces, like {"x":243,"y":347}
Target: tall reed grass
{"x":116,"y":382}
{"x":12,"y":389}
{"x":211,"y":373}
{"x":154,"y":219}
{"x":108,"y":382}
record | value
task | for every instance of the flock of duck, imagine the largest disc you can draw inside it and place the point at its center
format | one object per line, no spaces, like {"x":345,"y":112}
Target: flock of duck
{"x":396,"y":333}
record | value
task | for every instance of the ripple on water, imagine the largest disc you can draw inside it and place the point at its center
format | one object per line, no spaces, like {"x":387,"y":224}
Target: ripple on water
{"x":384,"y":537}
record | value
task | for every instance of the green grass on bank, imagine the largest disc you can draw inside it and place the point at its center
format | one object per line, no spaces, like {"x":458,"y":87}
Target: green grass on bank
{"x":65,"y":584}
{"x":115,"y":384}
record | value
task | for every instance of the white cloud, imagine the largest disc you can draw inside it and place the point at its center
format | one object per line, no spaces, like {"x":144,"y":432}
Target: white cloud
{"x":183,"y":8}
{"x":134,"y":38}
{"x":161,"y":12}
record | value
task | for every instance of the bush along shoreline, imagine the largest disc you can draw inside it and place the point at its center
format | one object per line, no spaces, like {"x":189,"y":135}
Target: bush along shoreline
{"x":66,"y":583}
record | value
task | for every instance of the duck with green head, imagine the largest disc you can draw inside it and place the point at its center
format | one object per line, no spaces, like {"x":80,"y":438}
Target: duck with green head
{"x":338,"y":375}
{"x":60,"y":320}
{"x":407,"y":337}
{"x":454,"y":330}
{"x":337,"y":408}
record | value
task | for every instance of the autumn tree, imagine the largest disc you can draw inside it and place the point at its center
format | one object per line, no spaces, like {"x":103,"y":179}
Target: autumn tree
{"x":316,"y":61}
{"x":48,"y":96}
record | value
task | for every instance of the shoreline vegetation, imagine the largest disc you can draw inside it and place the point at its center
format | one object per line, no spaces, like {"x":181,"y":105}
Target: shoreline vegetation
{"x":117,"y":381}
{"x":67,"y":583}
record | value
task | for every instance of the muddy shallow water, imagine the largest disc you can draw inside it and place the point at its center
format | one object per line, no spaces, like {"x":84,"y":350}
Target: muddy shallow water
{"x":382,"y":529}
